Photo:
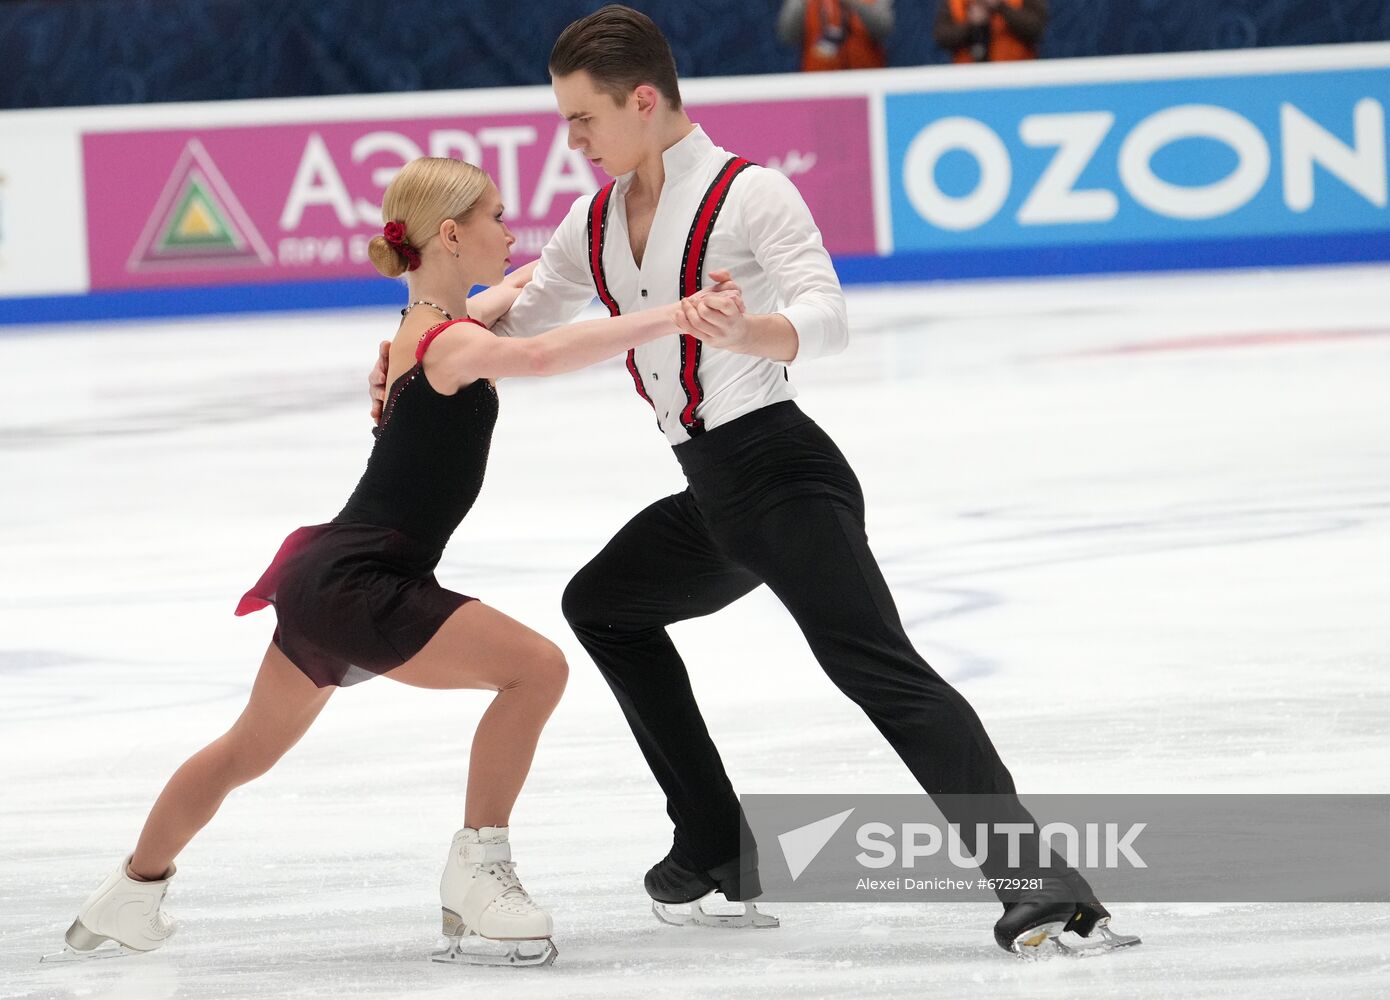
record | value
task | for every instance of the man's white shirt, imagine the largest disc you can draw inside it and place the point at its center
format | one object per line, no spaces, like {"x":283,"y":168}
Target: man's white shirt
{"x":764,"y":236}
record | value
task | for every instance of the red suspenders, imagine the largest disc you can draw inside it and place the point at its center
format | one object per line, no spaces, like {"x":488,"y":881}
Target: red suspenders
{"x":692,"y":271}
{"x":597,"y":231}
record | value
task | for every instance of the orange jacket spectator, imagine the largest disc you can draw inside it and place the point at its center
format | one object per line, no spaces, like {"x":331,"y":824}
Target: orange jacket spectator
{"x":837,"y":34}
{"x":990,"y":30}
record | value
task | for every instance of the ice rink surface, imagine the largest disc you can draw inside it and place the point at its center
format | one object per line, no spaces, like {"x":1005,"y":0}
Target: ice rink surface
{"x":1144,"y":524}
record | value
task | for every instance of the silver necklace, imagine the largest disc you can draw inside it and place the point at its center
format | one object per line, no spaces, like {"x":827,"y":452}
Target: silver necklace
{"x":432,"y":305}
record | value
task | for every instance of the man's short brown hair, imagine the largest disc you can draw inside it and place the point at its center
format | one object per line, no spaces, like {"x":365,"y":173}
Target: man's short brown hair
{"x":620,"y":49}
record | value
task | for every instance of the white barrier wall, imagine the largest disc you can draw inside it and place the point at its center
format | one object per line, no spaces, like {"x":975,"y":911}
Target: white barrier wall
{"x":1256,"y":157}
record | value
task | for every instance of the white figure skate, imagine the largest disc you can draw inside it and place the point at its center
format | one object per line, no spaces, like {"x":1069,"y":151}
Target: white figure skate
{"x":482,"y":898}
{"x":123,"y":917}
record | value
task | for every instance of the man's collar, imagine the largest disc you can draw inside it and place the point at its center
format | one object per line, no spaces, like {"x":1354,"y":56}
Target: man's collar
{"x":680,"y":157}
{"x":687,"y":154}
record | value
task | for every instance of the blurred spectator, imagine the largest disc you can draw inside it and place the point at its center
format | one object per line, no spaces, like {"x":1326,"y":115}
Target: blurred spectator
{"x":837,"y":34}
{"x":990,"y":30}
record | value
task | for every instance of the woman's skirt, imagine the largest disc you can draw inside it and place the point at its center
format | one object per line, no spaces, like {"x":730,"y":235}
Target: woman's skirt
{"x":352,"y":600}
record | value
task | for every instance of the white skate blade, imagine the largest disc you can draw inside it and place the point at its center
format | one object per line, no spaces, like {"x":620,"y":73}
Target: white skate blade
{"x":1048,"y":941}
{"x":471,"y":949}
{"x":696,"y":915}
{"x":70,"y":954}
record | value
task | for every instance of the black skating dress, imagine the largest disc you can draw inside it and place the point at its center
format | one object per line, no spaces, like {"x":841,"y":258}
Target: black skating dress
{"x":356,"y":597}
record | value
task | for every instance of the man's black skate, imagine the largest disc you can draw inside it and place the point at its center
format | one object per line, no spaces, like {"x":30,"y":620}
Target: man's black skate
{"x":1032,"y":927}
{"x":675,"y":880}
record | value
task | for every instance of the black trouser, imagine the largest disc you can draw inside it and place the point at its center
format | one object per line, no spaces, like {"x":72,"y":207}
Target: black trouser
{"x":771,"y":500}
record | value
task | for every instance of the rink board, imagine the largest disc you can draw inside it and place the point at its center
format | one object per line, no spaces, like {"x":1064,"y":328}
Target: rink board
{"x":1232,"y":159}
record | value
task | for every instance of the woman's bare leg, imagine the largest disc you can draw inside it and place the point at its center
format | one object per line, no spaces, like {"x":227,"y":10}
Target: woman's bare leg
{"x":479,"y":647}
{"x":283,"y":704}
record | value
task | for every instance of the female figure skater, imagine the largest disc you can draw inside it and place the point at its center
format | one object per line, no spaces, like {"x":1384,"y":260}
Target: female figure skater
{"x":357,"y":597}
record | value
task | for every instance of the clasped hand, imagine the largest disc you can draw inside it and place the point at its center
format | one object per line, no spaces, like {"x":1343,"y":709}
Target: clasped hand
{"x":716,"y":315}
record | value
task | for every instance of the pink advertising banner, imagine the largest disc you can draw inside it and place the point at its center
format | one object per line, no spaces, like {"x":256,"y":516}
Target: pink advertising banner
{"x":300,"y":202}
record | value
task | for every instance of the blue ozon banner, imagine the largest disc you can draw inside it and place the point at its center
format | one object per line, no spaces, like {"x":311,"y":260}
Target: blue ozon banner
{"x":1218,"y":170}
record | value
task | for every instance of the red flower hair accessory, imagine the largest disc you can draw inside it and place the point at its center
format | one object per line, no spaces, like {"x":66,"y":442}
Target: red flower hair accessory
{"x":394,"y":232}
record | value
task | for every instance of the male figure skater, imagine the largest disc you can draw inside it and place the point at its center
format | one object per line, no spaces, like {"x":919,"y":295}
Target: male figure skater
{"x":770,"y":500}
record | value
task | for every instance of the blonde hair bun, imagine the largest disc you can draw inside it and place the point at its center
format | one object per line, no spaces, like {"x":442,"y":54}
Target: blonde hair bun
{"x":427,"y":191}
{"x":385,"y":258}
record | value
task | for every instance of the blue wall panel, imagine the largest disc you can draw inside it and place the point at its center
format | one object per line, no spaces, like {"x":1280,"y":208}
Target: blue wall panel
{"x":85,"y":52}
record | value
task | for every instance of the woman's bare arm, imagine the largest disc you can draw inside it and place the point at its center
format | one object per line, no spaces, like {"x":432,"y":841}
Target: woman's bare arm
{"x":471,"y":353}
{"x":491,"y":304}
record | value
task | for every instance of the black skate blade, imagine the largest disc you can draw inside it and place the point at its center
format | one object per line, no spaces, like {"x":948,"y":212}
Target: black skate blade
{"x":1049,"y":941}
{"x":110,"y":949}
{"x":696,"y":915}
{"x":471,"y":949}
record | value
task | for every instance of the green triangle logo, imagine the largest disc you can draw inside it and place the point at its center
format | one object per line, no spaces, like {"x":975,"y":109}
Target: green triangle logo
{"x":198,"y":221}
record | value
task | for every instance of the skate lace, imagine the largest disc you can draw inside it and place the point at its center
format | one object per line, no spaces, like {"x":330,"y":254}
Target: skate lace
{"x":160,"y":922}
{"x":505,"y":874}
